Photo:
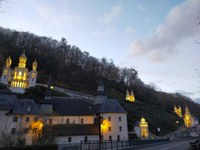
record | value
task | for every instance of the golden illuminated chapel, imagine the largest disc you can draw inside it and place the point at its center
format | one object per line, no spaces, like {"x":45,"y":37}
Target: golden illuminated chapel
{"x":144,"y":131}
{"x":130,"y":97}
{"x":178,"y":111}
{"x":188,"y":118}
{"x":19,"y":78}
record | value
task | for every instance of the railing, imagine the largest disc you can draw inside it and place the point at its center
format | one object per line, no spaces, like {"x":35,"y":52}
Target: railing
{"x":119,"y":145}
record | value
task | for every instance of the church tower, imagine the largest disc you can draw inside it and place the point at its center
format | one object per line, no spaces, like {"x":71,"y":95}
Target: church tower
{"x":178,"y":111}
{"x":100,"y":96}
{"x":188,"y":119}
{"x":144,"y":131}
{"x":33,"y":75}
{"x":6,"y":73}
{"x":130,"y":97}
{"x":19,"y":81}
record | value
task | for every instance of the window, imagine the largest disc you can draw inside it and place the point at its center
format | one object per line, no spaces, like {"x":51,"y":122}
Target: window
{"x":35,"y":119}
{"x":15,"y":119}
{"x":25,"y":130}
{"x":110,"y":138}
{"x":120,"y":119}
{"x":27,"y":119}
{"x":50,"y":121}
{"x":69,"y":139}
{"x":118,"y":137}
{"x":67,"y":121}
{"x":86,"y":139}
{"x":120,"y":128}
{"x":109,"y":128}
{"x":13,"y":130}
{"x":109,"y":118}
{"x":82,"y":121}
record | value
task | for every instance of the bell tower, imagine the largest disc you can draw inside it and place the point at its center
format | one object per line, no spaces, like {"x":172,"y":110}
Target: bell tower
{"x":33,"y":75}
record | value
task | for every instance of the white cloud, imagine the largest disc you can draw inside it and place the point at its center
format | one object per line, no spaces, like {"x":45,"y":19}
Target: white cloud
{"x":111,"y":14}
{"x":141,"y":7}
{"x":180,"y":24}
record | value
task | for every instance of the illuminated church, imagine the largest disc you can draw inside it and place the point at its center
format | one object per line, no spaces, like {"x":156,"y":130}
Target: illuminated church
{"x":188,"y":118}
{"x":130,"y":97}
{"x":20,"y":78}
{"x":178,"y":111}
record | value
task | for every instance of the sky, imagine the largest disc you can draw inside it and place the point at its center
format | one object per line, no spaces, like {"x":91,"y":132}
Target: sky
{"x":158,"y":38}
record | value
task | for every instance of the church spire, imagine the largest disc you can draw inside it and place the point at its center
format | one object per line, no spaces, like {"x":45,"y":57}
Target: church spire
{"x":8,"y":62}
{"x":34,"y":65}
{"x":22,"y":60}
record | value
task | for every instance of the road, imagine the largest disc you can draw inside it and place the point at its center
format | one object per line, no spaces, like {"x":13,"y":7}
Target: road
{"x":177,"y":145}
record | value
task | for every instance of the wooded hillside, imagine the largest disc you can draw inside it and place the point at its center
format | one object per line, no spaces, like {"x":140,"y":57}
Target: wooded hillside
{"x":77,"y":70}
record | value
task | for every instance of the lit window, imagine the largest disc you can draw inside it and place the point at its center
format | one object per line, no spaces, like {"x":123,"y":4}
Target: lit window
{"x":15,"y":119}
{"x":120,"y":119}
{"x":120,"y":128}
{"x":109,"y":118}
{"x":109,"y":128}
{"x":27,"y":119}
{"x":13,"y":130}
{"x":20,"y":73}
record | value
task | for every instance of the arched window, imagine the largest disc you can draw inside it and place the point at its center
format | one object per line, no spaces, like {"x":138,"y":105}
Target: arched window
{"x":118,"y":137}
{"x":69,"y":139}
{"x":67,"y":121}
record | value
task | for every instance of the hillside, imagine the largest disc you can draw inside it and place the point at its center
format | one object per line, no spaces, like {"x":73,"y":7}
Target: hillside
{"x":76,"y":70}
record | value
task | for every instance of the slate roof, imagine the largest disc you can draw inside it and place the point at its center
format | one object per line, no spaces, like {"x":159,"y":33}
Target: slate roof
{"x":70,"y":129}
{"x":109,"y":106}
{"x":9,"y":101}
{"x":71,"y":107}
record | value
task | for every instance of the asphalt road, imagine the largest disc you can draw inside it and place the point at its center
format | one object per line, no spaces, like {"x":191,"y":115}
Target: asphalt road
{"x":177,"y":145}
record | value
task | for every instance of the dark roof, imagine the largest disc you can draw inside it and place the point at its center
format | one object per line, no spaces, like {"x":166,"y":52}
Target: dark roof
{"x":17,"y":106}
{"x":71,"y":107}
{"x":70,"y":129}
{"x":109,"y":106}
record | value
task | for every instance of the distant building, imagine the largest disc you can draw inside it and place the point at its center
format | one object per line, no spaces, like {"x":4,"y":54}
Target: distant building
{"x":130,"y":97}
{"x":19,"y":78}
{"x":188,"y":118}
{"x":142,"y":129}
{"x":178,"y":111}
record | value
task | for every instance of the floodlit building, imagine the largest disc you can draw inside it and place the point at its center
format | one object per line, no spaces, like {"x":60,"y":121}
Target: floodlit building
{"x":141,"y":128}
{"x":188,"y":118}
{"x":130,"y":97}
{"x":61,"y":119}
{"x":178,"y":111}
{"x":19,"y":78}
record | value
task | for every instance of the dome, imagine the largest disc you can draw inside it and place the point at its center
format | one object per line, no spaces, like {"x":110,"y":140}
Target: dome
{"x":23,"y":56}
{"x":22,"y":60}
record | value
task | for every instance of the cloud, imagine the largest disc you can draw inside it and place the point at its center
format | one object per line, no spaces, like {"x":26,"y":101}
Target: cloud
{"x":129,"y":30}
{"x":181,"y":23}
{"x":141,"y":7}
{"x":111,"y":14}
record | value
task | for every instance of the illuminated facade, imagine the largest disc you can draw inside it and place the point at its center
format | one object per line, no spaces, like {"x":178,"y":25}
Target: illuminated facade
{"x":178,"y":111}
{"x":144,"y":131}
{"x":188,"y":118}
{"x":19,"y":78}
{"x":130,"y":97}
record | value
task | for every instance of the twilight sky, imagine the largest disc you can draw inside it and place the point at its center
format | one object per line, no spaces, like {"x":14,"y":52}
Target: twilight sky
{"x":156,"y":37}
